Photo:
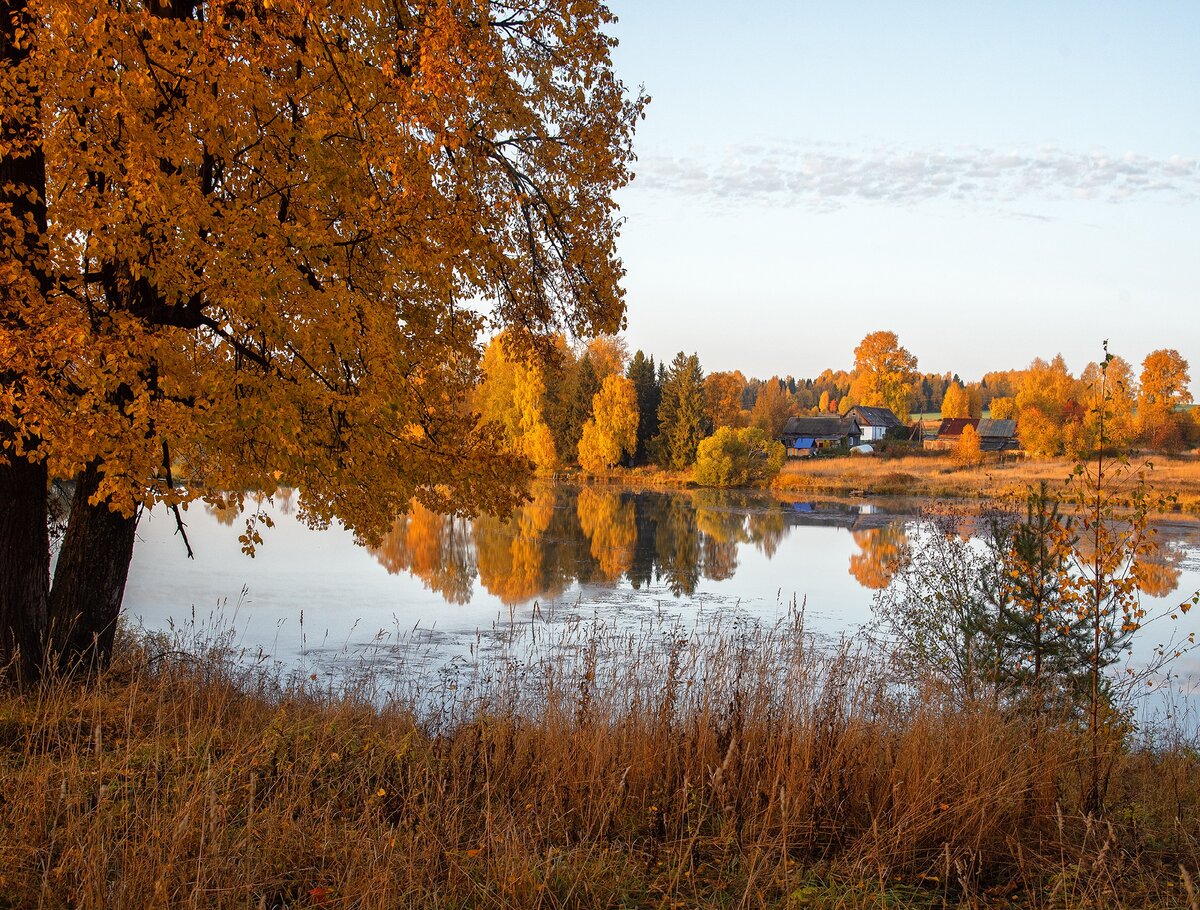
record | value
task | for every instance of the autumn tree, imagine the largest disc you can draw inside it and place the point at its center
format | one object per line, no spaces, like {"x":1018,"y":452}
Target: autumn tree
{"x":955,"y":402}
{"x":975,"y":397}
{"x":277,"y":231}
{"x":1164,"y":387}
{"x":27,"y":344}
{"x":611,"y":433}
{"x":578,"y":393}
{"x":681,"y":413}
{"x":772,"y":408}
{"x":883,"y":373}
{"x":723,"y":399}
{"x":608,"y":355}
{"x":1109,"y":398}
{"x":1046,"y":405}
{"x":1003,"y":408}
{"x":967,"y":452}
{"x":513,"y":395}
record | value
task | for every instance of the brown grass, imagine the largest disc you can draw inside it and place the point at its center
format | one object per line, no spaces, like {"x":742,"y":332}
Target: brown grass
{"x":736,"y":769}
{"x":935,"y":475}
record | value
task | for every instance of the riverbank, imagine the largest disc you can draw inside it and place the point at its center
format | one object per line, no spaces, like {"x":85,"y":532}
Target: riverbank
{"x":936,"y":476}
{"x":745,"y":771}
{"x":925,"y":476}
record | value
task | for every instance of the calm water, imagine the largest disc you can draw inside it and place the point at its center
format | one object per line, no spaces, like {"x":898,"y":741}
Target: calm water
{"x":569,"y":553}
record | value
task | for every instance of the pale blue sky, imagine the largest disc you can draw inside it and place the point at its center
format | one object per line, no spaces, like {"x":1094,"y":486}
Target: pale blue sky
{"x":993,"y":182}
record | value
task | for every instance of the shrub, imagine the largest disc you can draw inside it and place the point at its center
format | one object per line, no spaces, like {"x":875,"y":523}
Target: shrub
{"x":734,"y":458}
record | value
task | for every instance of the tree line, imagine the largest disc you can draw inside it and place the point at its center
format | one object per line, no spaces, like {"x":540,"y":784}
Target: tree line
{"x":595,"y":406}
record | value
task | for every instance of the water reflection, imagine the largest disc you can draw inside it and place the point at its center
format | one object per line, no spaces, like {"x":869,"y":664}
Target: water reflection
{"x":1160,"y":573}
{"x":604,"y":536}
{"x":437,"y":549}
{"x":882,"y":550}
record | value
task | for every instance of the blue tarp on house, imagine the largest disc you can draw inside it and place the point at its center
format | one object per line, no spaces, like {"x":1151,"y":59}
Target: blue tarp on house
{"x":805,"y":443}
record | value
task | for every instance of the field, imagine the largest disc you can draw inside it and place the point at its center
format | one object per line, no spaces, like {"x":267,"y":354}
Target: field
{"x":745,"y":768}
{"x":935,"y":475}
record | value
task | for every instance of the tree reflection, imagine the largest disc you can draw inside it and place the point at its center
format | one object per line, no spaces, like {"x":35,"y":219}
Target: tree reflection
{"x":1159,"y":573}
{"x":721,"y":520}
{"x":607,"y":520}
{"x":509,"y":552}
{"x":602,"y":536}
{"x":677,"y":545}
{"x":435,"y":548}
{"x":767,"y":530}
{"x":224,"y":509}
{"x":882,"y":551}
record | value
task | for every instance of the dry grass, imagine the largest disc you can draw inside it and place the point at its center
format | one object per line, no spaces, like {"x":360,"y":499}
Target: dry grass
{"x":935,"y":475}
{"x":743,"y":768}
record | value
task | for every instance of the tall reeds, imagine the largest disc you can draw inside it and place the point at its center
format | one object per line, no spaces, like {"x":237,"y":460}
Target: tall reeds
{"x":584,"y":765}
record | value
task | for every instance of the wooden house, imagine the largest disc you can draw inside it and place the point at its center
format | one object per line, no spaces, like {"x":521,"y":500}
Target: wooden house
{"x":997,"y":435}
{"x":875,"y":423}
{"x":950,"y":431}
{"x":804,"y":435}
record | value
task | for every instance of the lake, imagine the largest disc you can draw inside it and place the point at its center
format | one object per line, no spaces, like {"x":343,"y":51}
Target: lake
{"x":440,"y":586}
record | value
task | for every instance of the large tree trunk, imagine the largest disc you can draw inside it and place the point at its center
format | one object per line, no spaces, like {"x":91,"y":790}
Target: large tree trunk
{"x":89,"y":580}
{"x":24,"y":546}
{"x":24,"y":567}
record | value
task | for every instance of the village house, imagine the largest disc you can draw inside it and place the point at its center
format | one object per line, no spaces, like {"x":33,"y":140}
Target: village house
{"x":997,"y":435}
{"x":875,"y":422}
{"x":804,"y":435}
{"x":950,"y":431}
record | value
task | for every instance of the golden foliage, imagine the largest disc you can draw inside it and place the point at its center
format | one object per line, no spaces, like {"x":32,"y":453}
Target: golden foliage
{"x":513,"y":396}
{"x":956,"y":402}
{"x":735,"y":458}
{"x":772,"y":408}
{"x":510,"y":554}
{"x":436,"y":548}
{"x":1164,"y":387}
{"x":967,"y":452}
{"x":1108,"y":396}
{"x":611,"y":432}
{"x":723,"y":399}
{"x":883,"y":373}
{"x":608,"y":354}
{"x":1046,"y":402}
{"x":263,"y":222}
{"x":1003,"y":408}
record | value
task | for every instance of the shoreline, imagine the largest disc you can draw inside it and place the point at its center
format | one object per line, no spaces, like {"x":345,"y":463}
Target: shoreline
{"x":920,"y":477}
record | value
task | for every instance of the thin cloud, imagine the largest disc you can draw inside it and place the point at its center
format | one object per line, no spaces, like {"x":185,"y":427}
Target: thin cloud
{"x":824,"y":177}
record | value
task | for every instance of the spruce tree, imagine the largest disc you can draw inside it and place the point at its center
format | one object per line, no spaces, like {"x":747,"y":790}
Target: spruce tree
{"x":642,"y":374}
{"x":681,"y":413}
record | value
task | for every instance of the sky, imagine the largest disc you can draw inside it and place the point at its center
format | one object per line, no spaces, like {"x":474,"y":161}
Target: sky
{"x":993,"y":182}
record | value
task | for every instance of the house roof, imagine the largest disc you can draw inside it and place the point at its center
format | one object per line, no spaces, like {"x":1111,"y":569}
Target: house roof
{"x":875,"y":417}
{"x":951,"y":427}
{"x":830,"y":427}
{"x":1002,"y":428}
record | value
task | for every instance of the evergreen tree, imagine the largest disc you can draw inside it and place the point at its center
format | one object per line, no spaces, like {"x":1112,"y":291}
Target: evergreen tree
{"x":681,"y":413}
{"x":647,"y":385}
{"x":582,"y":386}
